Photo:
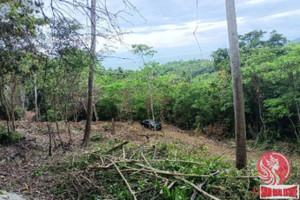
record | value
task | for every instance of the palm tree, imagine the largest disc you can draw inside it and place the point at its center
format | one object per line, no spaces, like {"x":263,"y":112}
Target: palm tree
{"x":237,"y":86}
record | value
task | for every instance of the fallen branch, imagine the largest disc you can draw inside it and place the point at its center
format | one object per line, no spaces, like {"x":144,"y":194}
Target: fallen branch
{"x":201,"y":184}
{"x":148,"y":163}
{"x":181,"y":161}
{"x":197,"y":188}
{"x":118,"y":146}
{"x":169,"y":187}
{"x":158,"y":171}
{"x":217,"y":187}
{"x":126,"y":182}
{"x":124,"y":152}
{"x":244,"y":177}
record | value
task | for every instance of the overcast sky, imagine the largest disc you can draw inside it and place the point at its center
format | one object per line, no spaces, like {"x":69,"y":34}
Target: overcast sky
{"x":170,"y":25}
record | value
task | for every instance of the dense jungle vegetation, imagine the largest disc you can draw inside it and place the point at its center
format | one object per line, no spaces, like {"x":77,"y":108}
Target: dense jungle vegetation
{"x":196,"y":94}
{"x":193,"y":94}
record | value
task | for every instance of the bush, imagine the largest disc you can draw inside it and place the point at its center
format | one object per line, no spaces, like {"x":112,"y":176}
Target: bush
{"x":106,"y":109}
{"x":9,"y":137}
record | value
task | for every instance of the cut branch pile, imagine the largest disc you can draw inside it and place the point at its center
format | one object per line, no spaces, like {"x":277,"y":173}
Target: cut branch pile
{"x":130,"y":174}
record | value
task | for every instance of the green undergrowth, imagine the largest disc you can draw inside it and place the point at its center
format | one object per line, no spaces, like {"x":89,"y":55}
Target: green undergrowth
{"x":287,"y":148}
{"x":9,"y":137}
{"x":83,"y":178}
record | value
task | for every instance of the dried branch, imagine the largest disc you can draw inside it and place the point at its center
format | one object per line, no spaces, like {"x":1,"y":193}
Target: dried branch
{"x":148,"y":162}
{"x":170,"y":173}
{"x":126,"y":182}
{"x":197,"y":188}
{"x":201,"y":184}
{"x":118,"y":146}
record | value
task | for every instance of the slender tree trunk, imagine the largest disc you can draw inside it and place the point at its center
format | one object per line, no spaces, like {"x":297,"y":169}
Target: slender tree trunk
{"x":57,"y":126}
{"x":113,"y":130}
{"x":298,"y":111}
{"x":151,"y":98}
{"x":12,"y":101}
{"x":298,"y":114}
{"x":95,"y":113}
{"x":294,"y":128}
{"x":263,"y":125}
{"x":36,"y":109}
{"x":46,"y":111}
{"x":91,"y":76}
{"x":6,"y":106}
{"x":23,"y":96}
{"x":237,"y":86}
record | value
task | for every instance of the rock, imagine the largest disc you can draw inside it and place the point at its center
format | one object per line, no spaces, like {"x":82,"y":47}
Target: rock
{"x":10,"y":196}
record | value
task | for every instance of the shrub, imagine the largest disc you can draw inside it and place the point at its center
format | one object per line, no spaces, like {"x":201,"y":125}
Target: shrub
{"x":9,"y":137}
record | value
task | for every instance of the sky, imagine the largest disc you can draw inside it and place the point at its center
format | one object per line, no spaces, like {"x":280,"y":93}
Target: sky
{"x":192,"y":29}
{"x":170,"y":24}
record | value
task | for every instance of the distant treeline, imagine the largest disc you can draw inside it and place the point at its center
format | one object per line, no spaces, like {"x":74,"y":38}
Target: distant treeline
{"x":197,"y":94}
{"x":194,"y":94}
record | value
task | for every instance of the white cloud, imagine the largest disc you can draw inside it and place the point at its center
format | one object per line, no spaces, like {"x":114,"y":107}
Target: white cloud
{"x":173,"y":35}
{"x":253,"y":2}
{"x":281,"y":15}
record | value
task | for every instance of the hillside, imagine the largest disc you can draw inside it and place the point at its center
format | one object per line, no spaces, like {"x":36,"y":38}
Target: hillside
{"x":81,"y":80}
{"x":190,"y":68}
{"x":30,"y":172}
{"x":297,"y":40}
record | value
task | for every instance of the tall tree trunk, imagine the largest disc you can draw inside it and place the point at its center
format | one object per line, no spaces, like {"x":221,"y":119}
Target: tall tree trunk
{"x":91,"y":76}
{"x":237,"y":86}
{"x":46,"y":112}
{"x":12,"y":100}
{"x":36,"y":108}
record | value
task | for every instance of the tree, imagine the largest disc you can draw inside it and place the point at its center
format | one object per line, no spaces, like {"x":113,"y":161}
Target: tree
{"x":87,"y":132}
{"x":238,"y":97}
{"x":109,"y":32}
{"x":146,"y":52}
{"x":18,"y":24}
{"x":252,"y":40}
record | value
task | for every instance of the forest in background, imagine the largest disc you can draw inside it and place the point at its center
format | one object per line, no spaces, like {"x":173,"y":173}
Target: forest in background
{"x":196,"y":94}
{"x":50,"y":80}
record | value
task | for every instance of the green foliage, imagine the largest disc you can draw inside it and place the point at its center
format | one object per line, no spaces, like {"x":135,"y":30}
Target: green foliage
{"x":106,"y":109}
{"x":194,"y":94}
{"x":188,"y":69}
{"x":221,"y":59}
{"x":198,"y":94}
{"x":9,"y":137}
{"x":143,"y":50}
{"x":190,"y":160}
{"x":96,"y":138}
